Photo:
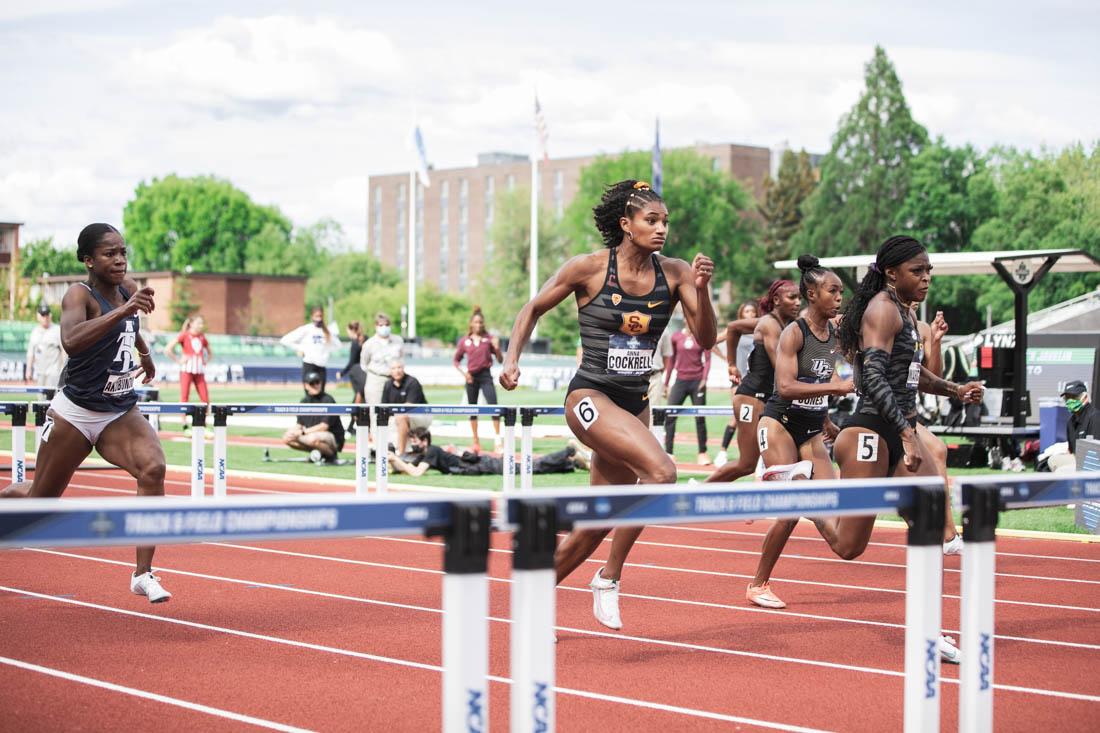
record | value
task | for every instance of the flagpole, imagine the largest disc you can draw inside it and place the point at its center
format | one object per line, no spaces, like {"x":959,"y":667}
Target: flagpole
{"x":534,"y":288}
{"x":411,"y":259}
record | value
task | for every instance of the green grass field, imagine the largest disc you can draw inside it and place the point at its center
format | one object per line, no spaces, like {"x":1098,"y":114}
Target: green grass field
{"x":250,"y":458}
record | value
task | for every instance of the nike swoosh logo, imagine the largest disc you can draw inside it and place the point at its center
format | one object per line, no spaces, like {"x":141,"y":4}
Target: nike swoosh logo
{"x":653,"y":304}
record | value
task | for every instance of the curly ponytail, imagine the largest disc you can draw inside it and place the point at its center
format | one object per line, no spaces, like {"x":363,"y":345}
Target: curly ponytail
{"x":893,"y":252}
{"x":619,"y":200}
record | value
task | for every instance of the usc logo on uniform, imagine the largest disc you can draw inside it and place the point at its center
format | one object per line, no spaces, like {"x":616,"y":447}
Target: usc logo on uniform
{"x":635,"y":323}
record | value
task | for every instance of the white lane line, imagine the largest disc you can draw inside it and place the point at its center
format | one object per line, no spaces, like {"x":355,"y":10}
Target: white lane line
{"x":757,"y":554}
{"x":420,"y":665}
{"x":894,"y":545}
{"x":400,"y":662}
{"x":197,"y":707}
{"x":750,"y":609}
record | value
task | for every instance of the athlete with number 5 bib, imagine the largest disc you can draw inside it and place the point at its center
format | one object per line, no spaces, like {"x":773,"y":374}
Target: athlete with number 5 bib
{"x":96,"y":405}
{"x":879,"y":335}
{"x":606,"y":405}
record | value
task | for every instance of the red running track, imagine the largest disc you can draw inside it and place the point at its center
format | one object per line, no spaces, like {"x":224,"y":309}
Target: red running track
{"x":345,"y":634}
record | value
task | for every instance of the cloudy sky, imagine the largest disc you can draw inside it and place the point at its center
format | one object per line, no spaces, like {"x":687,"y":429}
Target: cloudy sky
{"x":298,"y":102}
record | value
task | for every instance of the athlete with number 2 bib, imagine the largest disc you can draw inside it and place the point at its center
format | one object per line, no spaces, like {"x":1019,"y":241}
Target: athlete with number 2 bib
{"x":606,"y":405}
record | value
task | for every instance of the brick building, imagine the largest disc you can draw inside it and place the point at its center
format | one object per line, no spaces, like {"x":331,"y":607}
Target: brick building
{"x":265,"y":305}
{"x":9,"y":260}
{"x":455,"y":214}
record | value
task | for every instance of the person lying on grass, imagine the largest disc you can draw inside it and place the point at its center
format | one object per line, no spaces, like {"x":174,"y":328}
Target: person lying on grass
{"x":423,"y":456}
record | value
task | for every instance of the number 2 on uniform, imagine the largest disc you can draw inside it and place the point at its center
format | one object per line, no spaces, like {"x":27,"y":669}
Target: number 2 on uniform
{"x":746,"y":413}
{"x":586,"y":412}
{"x":867,"y":447}
{"x":762,"y":439}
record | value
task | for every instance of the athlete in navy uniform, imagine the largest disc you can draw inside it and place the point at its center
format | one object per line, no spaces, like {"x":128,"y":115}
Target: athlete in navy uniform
{"x":96,"y":406}
{"x":606,"y":405}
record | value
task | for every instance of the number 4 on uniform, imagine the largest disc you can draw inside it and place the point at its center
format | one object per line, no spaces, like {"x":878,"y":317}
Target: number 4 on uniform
{"x":586,"y":412}
{"x":762,"y":439}
{"x":867,"y":447}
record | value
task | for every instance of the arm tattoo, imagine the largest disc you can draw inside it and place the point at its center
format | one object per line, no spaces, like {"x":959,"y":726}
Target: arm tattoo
{"x":878,"y":389}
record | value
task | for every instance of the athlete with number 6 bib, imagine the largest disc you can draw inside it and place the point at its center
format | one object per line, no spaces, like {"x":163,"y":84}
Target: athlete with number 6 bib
{"x":96,"y":406}
{"x":791,"y":434}
{"x":606,"y":405}
{"x":880,"y":337}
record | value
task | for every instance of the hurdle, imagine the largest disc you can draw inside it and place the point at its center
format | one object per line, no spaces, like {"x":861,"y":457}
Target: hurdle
{"x":358,"y":413}
{"x":536,"y":519}
{"x":664,"y":411}
{"x":527,"y":417}
{"x":463,"y":523}
{"x":982,"y":499}
{"x":383,"y":413}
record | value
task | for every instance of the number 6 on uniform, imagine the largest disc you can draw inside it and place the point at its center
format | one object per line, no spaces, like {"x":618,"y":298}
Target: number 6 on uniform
{"x":867,"y":447}
{"x":586,"y":412}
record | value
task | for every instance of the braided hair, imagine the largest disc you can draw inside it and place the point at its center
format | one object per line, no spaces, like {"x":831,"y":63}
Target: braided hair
{"x":893,"y":252}
{"x":812,"y":274}
{"x":619,"y":200}
{"x":89,"y":237}
{"x":767,"y":303}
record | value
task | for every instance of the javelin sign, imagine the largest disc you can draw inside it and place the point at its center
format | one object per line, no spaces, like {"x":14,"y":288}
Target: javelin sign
{"x":637,"y":505}
{"x":293,"y":408}
{"x":474,"y":410}
{"x":1023,"y":492}
{"x":56,"y":522}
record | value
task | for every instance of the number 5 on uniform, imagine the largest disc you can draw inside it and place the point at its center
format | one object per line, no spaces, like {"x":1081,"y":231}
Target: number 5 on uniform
{"x":586,"y":412}
{"x":867,"y":447}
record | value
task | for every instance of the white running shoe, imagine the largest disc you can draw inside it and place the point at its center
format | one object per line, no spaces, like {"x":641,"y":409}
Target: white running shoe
{"x":605,"y":600}
{"x":949,"y":652}
{"x":316,"y":457}
{"x":721,"y":459}
{"x":789,"y":472}
{"x":148,"y":585}
{"x":953,"y":546}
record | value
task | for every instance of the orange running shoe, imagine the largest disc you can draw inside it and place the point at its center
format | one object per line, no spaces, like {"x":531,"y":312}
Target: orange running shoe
{"x":762,"y":595}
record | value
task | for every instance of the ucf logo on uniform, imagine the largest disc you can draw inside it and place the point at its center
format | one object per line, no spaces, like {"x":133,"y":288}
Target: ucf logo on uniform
{"x":635,"y":323}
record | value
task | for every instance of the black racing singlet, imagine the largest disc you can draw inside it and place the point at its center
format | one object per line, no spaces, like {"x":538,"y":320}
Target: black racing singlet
{"x":903,"y":369}
{"x":816,"y":362}
{"x":619,"y":331}
{"x":761,"y":377}
{"x":101,"y":378}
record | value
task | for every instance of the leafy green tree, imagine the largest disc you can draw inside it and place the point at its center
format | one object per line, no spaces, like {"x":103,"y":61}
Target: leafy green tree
{"x":204,"y":222}
{"x":503,"y":289}
{"x":438,"y":315}
{"x":783,"y":200}
{"x":708,"y":213}
{"x":345,"y":274}
{"x":40,"y":256}
{"x":271,"y":252}
{"x":182,"y":305}
{"x":865,"y":176}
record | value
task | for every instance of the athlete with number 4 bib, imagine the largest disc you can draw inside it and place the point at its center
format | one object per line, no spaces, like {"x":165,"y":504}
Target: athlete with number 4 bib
{"x":96,"y":406}
{"x":791,"y":434}
{"x":606,"y":405}
{"x":879,"y":335}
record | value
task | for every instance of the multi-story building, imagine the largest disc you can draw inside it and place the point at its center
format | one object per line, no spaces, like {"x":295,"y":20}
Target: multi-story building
{"x":9,"y":260}
{"x":454,"y":216}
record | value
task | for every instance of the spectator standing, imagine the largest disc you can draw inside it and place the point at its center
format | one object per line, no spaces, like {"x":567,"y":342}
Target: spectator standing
{"x":405,"y":389}
{"x":479,"y":350}
{"x":314,"y":343}
{"x":195,"y":355}
{"x":656,"y":391}
{"x":380,"y":352}
{"x":45,"y":356}
{"x":321,"y":435}
{"x":353,"y":370}
{"x":737,"y":366}
{"x":691,"y":362}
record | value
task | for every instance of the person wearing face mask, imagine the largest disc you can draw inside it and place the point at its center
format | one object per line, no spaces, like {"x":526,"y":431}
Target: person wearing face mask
{"x":314,"y":342}
{"x":380,"y":352}
{"x":1084,"y":418}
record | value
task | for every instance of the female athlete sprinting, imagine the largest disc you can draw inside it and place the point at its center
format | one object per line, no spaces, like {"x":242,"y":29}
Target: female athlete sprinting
{"x":96,"y":407}
{"x":792,"y":430}
{"x":779,"y":307}
{"x":625,"y":296}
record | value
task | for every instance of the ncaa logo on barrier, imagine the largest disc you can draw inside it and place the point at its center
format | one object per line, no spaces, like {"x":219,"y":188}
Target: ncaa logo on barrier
{"x":540,"y":713}
{"x":475,"y":714}
{"x":930,"y":654}
{"x":363,"y":463}
{"x":102,"y":525}
{"x":221,"y":468}
{"x":603,"y":507}
{"x":985,"y":654}
{"x":682,"y":504}
{"x":20,"y":470}
{"x":199,"y":473}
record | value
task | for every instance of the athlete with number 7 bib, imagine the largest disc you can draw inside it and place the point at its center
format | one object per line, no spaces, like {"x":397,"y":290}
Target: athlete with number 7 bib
{"x":880,"y":337}
{"x":606,"y":405}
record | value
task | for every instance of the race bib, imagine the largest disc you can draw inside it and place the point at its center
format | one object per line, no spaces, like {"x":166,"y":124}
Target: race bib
{"x":814,"y":404}
{"x":630,"y":355}
{"x":119,"y":384}
{"x":913,"y":380}
{"x":745,"y":415}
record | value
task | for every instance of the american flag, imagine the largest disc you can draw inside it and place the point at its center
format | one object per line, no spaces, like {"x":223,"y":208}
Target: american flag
{"x":540,"y":129}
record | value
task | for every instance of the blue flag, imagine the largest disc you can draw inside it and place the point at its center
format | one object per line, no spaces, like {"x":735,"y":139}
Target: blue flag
{"x":657,"y":173}
{"x":421,"y":158}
